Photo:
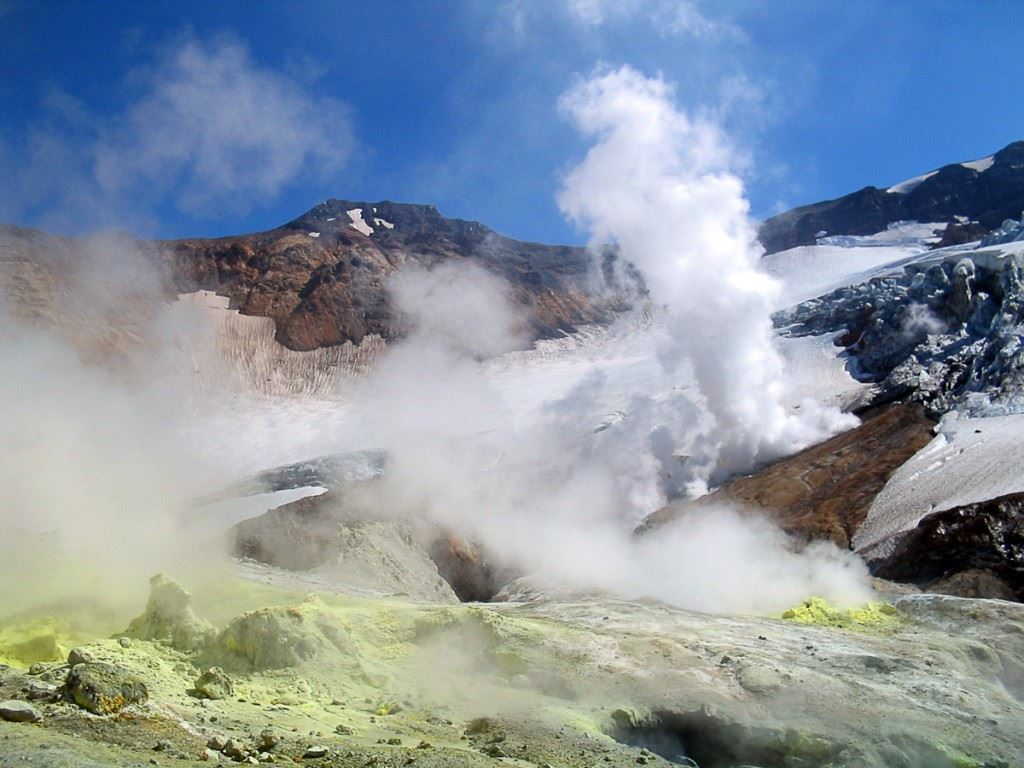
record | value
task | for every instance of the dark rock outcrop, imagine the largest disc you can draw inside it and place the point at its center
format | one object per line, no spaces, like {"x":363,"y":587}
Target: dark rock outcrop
{"x":976,"y":550}
{"x":825,"y":491}
{"x":987,"y":197}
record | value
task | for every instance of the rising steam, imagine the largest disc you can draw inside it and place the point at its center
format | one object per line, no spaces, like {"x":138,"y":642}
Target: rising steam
{"x":658,"y":183}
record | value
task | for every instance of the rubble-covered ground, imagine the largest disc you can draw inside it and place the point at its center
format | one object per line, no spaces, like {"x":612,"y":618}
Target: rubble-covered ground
{"x":542,"y":679}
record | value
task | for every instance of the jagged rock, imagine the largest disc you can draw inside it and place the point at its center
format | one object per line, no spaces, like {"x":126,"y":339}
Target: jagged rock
{"x":19,"y":712}
{"x":946,"y":334}
{"x":37,"y":690}
{"x":168,"y":617}
{"x":315,"y":752}
{"x":103,"y":688}
{"x":987,"y":197}
{"x":213,"y":684}
{"x":235,"y":750}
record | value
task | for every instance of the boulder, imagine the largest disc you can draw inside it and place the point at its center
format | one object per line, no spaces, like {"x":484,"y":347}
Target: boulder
{"x":103,"y":689}
{"x":19,"y":712}
{"x":213,"y":684}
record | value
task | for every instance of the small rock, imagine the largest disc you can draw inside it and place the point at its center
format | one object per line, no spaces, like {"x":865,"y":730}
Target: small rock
{"x":313,"y":753}
{"x":394,"y":742}
{"x":40,"y":691}
{"x":19,"y":712}
{"x":234,"y":750}
{"x":269,"y":738}
{"x":343,"y":729}
{"x":759,"y":679}
{"x":163,"y":746}
{"x":103,"y":688}
{"x":213,"y":684}
{"x":210,"y":756}
{"x":216,"y":742}
{"x":79,"y":656}
{"x":424,"y":745}
{"x":124,"y":642}
{"x":493,"y":750}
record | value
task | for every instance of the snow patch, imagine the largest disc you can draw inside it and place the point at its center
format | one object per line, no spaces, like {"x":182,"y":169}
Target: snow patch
{"x":970,"y":460}
{"x":980,"y":165}
{"x":383,"y":223}
{"x":355,"y":215}
{"x":905,"y":187}
{"x":313,"y":234}
{"x":809,"y":271}
{"x":333,"y":218}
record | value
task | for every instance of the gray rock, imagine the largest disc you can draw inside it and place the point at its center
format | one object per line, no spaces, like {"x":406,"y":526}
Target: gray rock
{"x":759,"y":679}
{"x":79,"y":656}
{"x":103,"y":688}
{"x":37,"y":690}
{"x":213,"y":684}
{"x":269,"y":738}
{"x":315,"y":752}
{"x":19,"y":712}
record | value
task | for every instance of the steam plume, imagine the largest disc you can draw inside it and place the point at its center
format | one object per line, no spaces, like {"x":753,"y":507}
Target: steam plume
{"x":657,"y":182}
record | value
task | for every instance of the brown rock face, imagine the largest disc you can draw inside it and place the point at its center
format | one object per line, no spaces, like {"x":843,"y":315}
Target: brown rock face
{"x":322,"y":278}
{"x":825,"y":491}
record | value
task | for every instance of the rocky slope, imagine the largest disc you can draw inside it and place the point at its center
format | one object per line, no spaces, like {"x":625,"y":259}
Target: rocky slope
{"x":321,"y":278}
{"x":825,"y":491}
{"x":984,"y":191}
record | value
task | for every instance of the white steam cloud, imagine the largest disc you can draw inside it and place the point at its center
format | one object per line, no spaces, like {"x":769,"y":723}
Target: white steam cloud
{"x":542,"y":492}
{"x":657,"y":183}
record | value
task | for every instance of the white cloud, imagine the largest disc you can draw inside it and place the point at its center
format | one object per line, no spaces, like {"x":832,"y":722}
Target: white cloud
{"x":683,"y":18}
{"x":209,"y":131}
{"x":221,"y":131}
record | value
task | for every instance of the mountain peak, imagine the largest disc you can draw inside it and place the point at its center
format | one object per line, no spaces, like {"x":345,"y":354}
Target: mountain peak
{"x":987,"y":191}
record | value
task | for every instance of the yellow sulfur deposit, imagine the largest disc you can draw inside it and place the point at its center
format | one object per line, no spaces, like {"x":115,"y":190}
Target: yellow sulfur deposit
{"x":865,"y":618}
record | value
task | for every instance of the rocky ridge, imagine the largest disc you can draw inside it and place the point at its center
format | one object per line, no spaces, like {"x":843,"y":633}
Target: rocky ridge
{"x":983,"y":192}
{"x":322,"y":278}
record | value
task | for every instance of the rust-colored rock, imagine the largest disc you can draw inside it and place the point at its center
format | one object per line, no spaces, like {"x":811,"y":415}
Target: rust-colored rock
{"x":322,"y":281}
{"x":825,"y":491}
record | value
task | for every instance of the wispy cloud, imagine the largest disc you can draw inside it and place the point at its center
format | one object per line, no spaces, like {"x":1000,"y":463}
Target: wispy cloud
{"x":670,"y":17}
{"x":209,"y":131}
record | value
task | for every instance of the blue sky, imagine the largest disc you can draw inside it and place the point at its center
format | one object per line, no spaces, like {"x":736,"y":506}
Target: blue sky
{"x":196,"y":118}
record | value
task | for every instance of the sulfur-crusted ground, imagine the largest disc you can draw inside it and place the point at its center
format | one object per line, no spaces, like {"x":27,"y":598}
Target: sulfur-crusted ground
{"x":565,"y":681}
